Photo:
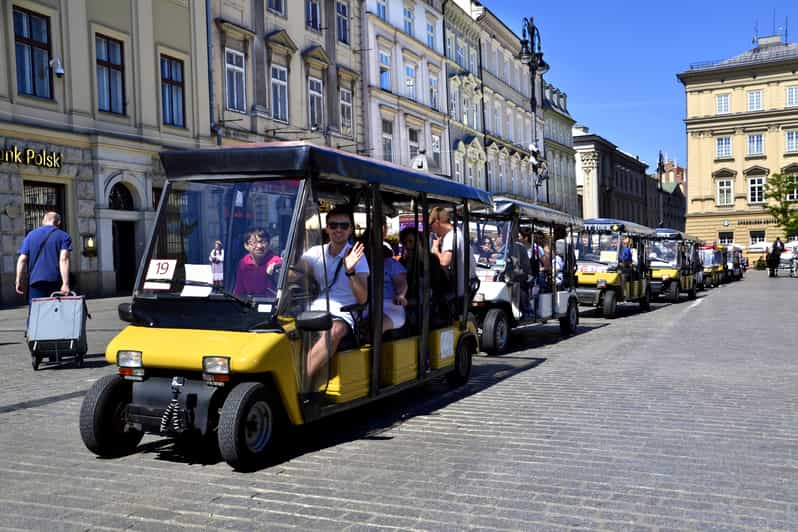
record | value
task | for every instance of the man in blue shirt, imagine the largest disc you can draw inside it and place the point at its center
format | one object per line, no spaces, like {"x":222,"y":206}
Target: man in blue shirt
{"x":44,"y":254}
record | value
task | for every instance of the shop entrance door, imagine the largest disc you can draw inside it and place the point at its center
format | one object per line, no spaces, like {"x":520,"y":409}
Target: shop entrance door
{"x":124,"y":255}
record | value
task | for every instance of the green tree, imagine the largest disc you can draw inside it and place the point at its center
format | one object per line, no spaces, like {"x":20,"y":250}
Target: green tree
{"x":782,"y":191}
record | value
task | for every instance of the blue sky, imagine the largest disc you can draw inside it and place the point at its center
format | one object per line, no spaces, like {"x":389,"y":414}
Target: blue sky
{"x":617,"y":60}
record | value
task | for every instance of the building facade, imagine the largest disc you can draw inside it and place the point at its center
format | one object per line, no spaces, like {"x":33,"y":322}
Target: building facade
{"x":405,"y":83}
{"x":507,"y":114}
{"x":560,"y":153}
{"x":464,"y":93}
{"x":673,"y":173}
{"x":99,"y":88}
{"x":288,"y":70}
{"x":742,"y":126}
{"x":674,"y":206}
{"x":611,"y":183}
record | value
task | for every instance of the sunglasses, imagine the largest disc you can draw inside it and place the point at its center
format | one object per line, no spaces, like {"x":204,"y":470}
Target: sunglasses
{"x":338,"y":225}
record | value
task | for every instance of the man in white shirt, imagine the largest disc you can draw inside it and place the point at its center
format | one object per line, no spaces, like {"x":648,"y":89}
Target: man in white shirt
{"x":444,"y":246}
{"x":345,"y":282}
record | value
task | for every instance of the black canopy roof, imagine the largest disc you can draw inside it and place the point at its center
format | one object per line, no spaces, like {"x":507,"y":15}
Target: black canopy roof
{"x":302,"y":158}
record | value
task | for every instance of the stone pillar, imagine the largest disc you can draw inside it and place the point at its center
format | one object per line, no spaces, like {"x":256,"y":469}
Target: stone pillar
{"x":590,"y":189}
{"x":144,"y":52}
{"x":77,"y":63}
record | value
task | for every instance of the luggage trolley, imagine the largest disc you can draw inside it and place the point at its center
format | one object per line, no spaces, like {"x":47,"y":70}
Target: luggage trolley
{"x":57,"y":329}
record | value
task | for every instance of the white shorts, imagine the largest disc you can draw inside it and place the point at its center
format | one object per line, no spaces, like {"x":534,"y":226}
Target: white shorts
{"x":337,"y":314}
{"x":395,"y":312}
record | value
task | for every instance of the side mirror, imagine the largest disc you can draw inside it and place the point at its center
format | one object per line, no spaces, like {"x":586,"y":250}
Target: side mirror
{"x":314,"y":321}
{"x":125,"y":311}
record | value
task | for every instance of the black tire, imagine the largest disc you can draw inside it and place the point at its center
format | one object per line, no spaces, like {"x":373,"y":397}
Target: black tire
{"x":247,"y":424}
{"x":570,"y":322}
{"x":103,"y":426}
{"x":645,"y":303}
{"x":692,"y":293}
{"x":495,"y":331}
{"x":609,"y":304}
{"x":673,"y":292}
{"x":35,"y":360}
{"x":462,"y":366}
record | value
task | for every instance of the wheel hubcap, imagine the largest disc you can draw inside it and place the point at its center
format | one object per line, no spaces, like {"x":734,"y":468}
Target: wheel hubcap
{"x":501,"y":333}
{"x":258,"y":427}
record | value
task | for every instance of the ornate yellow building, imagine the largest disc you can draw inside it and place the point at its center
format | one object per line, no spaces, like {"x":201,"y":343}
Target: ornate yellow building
{"x":742,"y":126}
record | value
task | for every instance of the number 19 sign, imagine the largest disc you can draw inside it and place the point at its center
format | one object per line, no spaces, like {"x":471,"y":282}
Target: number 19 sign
{"x":159,"y":273}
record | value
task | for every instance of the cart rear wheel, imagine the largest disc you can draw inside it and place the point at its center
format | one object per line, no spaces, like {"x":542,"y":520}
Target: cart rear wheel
{"x":462,"y":365}
{"x":570,"y":321}
{"x":35,"y":360}
{"x":103,"y":423}
{"x":645,"y":303}
{"x":247,"y":425}
{"x":673,"y":292}
{"x":495,"y":331}
{"x":610,"y":303}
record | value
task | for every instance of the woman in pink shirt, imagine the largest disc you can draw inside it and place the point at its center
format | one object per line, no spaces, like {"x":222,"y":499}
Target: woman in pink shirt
{"x":256,"y":274}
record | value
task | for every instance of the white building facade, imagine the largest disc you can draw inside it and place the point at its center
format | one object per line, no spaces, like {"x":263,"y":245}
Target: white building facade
{"x":405,"y":82}
{"x":560,"y":153}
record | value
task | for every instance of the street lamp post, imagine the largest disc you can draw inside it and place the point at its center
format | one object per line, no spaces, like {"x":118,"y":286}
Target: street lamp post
{"x":531,"y":54}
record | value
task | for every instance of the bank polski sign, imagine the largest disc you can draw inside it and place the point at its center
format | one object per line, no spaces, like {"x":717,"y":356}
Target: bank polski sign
{"x":30,"y":157}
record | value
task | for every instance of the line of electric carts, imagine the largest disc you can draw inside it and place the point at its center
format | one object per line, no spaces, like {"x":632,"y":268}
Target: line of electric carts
{"x":203,"y":364}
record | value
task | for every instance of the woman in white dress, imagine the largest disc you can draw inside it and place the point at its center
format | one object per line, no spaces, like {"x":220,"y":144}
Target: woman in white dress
{"x":217,"y":263}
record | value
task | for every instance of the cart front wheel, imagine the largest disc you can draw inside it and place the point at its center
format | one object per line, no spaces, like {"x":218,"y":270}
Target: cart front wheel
{"x":103,"y":423}
{"x":609,"y":304}
{"x":35,"y":360}
{"x":495,"y":331}
{"x":570,"y":321}
{"x":462,"y":365}
{"x":247,"y":426}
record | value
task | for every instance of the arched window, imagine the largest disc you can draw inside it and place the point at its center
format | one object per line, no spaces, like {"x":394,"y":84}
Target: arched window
{"x":120,"y":198}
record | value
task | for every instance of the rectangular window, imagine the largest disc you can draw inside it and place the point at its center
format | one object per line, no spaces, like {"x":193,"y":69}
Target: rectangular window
{"x":497,"y":116}
{"x":32,"y":44}
{"x":757,"y":237}
{"x":756,"y":190}
{"x":173,"y":88}
{"x":726,"y":237}
{"x":345,"y":103}
{"x":436,"y":150}
{"x":313,"y":14}
{"x":41,"y":198}
{"x":382,"y":9}
{"x":792,"y":141}
{"x":721,"y":104}
{"x":469,"y":175}
{"x":434,"y":92}
{"x":431,"y":35}
{"x":792,"y":96}
{"x":467,"y":111}
{"x":387,"y":140}
{"x":280,"y":93}
{"x":449,"y":46}
{"x":408,"y":16}
{"x":723,"y":148}
{"x":725,"y":192}
{"x":755,"y":100}
{"x":235,"y":77}
{"x":472,"y":61}
{"x":315,"y":102}
{"x":385,"y":71}
{"x":410,"y":81}
{"x":110,"y":75}
{"x":756,"y":144}
{"x":412,"y":142}
{"x":458,"y":171}
{"x":342,"y":21}
{"x":278,"y":6}
{"x":453,"y":100}
{"x":459,"y":55}
{"x":793,"y":194}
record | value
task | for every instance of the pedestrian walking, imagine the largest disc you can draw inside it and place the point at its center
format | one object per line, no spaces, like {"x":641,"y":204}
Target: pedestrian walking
{"x":44,"y":256}
{"x":217,"y":263}
{"x":774,"y":257}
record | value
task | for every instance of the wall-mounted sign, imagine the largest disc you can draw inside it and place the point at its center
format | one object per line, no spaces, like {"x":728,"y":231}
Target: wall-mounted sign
{"x":31,"y":157}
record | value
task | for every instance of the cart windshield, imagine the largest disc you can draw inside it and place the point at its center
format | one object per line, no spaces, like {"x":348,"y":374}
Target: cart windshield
{"x":489,"y":240}
{"x":221,"y":239}
{"x":597,"y":247}
{"x":709,"y":257}
{"x":664,"y":253}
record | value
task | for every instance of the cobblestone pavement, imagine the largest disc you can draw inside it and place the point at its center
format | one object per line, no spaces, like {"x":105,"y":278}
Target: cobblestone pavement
{"x":685,"y":417}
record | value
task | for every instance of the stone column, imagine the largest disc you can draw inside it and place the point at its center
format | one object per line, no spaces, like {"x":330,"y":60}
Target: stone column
{"x":143,"y":53}
{"x":590,"y":191}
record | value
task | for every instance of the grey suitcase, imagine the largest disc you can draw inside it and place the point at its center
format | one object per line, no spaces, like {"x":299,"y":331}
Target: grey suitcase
{"x":57,"y":329}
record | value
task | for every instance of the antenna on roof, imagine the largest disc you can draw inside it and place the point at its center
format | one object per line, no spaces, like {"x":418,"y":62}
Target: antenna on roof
{"x":756,"y":32}
{"x":786,"y":28}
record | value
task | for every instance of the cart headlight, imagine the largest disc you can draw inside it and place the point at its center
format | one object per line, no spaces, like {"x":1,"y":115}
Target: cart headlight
{"x":479,"y":298}
{"x":665,"y":276}
{"x":128,"y":359}
{"x":216,"y":365}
